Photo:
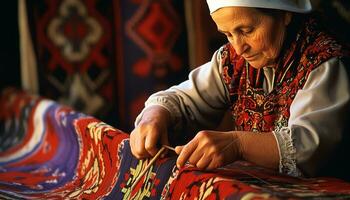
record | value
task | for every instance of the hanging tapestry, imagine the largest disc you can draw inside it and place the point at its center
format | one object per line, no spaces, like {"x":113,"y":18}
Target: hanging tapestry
{"x":105,"y":58}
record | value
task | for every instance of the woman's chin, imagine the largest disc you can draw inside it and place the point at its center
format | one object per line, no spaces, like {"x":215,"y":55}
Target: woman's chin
{"x":256,"y":64}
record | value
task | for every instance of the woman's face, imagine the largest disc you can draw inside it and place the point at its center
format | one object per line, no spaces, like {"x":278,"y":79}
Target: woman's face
{"x":255,"y":36}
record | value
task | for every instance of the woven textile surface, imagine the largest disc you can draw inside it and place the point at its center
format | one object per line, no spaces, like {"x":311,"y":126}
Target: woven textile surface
{"x":105,"y":58}
{"x":51,"y":151}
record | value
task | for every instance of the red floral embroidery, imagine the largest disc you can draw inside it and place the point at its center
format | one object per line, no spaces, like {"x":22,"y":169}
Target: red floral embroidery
{"x":252,"y":108}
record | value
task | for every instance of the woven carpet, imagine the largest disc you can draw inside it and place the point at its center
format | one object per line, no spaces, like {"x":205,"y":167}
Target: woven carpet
{"x":50,"y":151}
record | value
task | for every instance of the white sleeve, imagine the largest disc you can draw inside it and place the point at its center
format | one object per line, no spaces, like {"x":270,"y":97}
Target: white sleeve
{"x":197,"y":103}
{"x":316,"y":120}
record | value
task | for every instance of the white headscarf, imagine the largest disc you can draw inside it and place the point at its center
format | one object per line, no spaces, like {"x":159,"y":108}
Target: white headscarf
{"x":299,"y":6}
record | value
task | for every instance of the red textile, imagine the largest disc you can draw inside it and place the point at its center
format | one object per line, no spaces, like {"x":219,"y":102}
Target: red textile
{"x":105,"y":58}
{"x":51,"y":151}
{"x":255,"y":110}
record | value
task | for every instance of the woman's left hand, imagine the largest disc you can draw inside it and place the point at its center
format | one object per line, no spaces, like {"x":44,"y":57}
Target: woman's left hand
{"x":209,"y":150}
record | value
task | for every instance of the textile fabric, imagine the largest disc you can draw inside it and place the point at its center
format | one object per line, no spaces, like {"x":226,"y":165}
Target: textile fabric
{"x":299,"y":6}
{"x":51,"y":151}
{"x":105,"y":58}
{"x":255,"y":110}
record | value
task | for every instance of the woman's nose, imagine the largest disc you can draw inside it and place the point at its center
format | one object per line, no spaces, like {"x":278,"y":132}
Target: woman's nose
{"x":238,"y":44}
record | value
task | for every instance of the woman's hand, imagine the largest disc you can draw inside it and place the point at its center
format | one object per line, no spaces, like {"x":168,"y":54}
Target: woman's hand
{"x":210,"y":149}
{"x":151,"y":130}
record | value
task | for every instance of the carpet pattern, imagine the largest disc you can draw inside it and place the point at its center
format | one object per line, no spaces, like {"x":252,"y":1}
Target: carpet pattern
{"x":106,"y":58}
{"x":52,"y":151}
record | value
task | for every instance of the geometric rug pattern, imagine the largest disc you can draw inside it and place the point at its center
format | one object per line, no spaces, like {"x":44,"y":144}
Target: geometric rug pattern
{"x":105,"y":58}
{"x":50,"y":151}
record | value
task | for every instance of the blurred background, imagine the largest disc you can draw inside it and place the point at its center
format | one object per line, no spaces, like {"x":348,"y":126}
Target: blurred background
{"x":105,"y":58}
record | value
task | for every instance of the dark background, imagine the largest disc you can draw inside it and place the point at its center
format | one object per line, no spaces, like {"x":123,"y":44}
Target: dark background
{"x":9,"y":45}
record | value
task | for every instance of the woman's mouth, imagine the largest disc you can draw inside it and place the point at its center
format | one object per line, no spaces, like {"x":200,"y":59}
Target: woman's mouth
{"x":250,"y":58}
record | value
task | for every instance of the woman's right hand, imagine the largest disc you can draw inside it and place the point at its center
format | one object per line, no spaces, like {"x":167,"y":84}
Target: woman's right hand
{"x":151,"y":131}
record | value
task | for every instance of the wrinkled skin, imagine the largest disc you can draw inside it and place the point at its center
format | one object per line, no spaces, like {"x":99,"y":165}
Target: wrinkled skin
{"x":210,"y":150}
{"x":151,"y":131}
{"x":255,"y":36}
{"x":258,"y":38}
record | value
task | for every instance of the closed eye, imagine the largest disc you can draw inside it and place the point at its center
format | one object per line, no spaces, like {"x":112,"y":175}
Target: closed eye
{"x":246,"y":31}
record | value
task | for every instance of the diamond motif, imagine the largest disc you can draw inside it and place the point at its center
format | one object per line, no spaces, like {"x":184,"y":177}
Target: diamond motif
{"x":155,"y":27}
{"x":74,"y":31}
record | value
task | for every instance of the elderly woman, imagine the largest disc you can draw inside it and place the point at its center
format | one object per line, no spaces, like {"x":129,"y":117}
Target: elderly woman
{"x":282,"y":76}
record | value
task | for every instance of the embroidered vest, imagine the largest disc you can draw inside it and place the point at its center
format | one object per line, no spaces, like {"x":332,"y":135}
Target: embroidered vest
{"x":252,"y":108}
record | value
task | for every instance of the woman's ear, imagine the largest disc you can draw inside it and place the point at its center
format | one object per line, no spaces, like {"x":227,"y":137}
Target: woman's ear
{"x":287,"y":18}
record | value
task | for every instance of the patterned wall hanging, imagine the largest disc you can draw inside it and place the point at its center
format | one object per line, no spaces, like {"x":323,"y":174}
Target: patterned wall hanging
{"x":106,"y":57}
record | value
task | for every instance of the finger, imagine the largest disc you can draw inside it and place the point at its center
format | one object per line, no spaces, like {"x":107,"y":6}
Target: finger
{"x":178,"y":149}
{"x":137,"y":145}
{"x":151,"y":143}
{"x":215,"y":163}
{"x":133,"y":147}
{"x":195,"y":157}
{"x":203,"y":162}
{"x":140,"y":147}
{"x":186,"y":153}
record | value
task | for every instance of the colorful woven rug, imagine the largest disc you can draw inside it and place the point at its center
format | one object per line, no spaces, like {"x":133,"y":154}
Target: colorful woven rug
{"x":49,"y":151}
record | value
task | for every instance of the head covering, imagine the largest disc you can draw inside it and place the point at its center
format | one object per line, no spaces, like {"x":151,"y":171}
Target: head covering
{"x":299,"y":6}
